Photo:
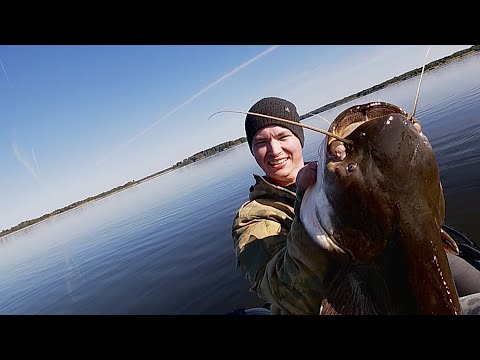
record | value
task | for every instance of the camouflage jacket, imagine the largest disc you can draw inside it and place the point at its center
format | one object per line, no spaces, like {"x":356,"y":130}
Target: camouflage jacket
{"x":275,"y":253}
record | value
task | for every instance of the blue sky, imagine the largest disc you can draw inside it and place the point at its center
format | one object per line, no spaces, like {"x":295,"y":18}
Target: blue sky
{"x":79,"y":120}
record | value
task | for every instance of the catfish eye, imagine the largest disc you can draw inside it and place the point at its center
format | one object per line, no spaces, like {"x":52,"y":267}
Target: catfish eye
{"x":352,"y":167}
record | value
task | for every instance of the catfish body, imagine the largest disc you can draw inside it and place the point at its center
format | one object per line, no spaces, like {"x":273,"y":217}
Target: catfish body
{"x":379,"y":206}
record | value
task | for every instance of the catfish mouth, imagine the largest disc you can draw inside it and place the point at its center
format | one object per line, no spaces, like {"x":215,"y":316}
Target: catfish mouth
{"x":348,"y":120}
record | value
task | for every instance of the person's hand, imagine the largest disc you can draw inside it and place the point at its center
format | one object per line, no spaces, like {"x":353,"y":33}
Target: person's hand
{"x":307,"y":176}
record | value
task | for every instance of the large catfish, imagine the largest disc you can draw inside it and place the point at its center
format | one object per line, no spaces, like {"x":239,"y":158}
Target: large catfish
{"x":378,"y":205}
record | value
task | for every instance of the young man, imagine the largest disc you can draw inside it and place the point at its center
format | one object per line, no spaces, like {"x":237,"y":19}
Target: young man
{"x":273,"y":250}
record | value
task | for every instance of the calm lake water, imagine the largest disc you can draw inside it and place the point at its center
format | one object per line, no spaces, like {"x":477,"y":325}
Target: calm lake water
{"x":164,"y":247}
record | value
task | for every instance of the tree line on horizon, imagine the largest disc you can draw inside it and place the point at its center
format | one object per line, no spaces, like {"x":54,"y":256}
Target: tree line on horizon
{"x":229,"y":144}
{"x":190,"y":160}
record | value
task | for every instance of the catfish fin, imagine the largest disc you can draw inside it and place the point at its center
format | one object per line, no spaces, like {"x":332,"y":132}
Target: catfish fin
{"x":448,"y":243}
{"x":356,"y":290}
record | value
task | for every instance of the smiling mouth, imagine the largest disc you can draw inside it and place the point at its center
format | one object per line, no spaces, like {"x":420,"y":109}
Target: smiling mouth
{"x":278,"y":162}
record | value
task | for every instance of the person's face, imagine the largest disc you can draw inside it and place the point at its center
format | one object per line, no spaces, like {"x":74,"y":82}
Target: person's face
{"x":279,"y":153}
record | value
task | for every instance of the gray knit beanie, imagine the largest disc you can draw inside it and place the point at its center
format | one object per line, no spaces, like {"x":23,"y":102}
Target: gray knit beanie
{"x":272,"y":106}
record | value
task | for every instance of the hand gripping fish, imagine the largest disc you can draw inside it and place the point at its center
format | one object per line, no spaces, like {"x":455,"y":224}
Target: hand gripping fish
{"x":378,"y":204}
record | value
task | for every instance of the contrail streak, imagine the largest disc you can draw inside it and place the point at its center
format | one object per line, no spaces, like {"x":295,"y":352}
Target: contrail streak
{"x":36,"y":162}
{"x":205,"y":89}
{"x":23,"y":161}
{"x":5,"y":72}
{"x":224,"y":77}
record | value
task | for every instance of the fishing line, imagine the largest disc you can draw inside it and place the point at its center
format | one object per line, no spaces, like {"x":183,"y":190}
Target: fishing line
{"x":419,"y":83}
{"x":286,"y":121}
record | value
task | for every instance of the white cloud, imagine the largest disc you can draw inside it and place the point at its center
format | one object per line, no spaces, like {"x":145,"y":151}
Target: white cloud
{"x":24,"y":162}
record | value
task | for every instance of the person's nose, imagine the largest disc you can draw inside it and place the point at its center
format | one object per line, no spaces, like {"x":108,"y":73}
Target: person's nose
{"x":275,"y":147}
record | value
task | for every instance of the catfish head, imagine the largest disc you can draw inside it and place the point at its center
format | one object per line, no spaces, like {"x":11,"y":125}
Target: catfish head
{"x":378,"y":204}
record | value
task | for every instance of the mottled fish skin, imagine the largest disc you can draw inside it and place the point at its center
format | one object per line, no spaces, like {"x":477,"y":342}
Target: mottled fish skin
{"x":381,"y":209}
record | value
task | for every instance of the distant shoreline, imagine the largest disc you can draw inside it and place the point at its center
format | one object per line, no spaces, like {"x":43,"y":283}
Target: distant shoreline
{"x":459,"y":55}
